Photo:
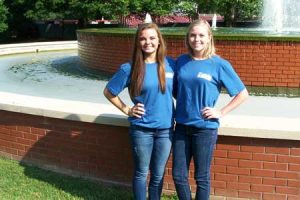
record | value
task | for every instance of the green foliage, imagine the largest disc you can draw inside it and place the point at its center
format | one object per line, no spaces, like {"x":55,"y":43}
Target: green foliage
{"x":234,"y":10}
{"x":3,"y":16}
{"x":250,"y":9}
{"x":115,"y":8}
{"x":154,"y":7}
{"x":46,"y":10}
{"x":17,"y":9}
{"x":85,"y":10}
{"x":207,"y":6}
{"x":162,"y":7}
{"x":186,"y":7}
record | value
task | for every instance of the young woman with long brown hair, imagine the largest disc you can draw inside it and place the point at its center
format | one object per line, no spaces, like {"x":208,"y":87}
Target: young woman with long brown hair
{"x":149,"y":78}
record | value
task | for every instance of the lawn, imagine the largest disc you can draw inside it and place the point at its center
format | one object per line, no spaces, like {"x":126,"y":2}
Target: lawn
{"x":21,"y":182}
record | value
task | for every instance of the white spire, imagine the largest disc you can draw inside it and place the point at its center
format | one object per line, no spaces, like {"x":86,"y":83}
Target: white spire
{"x":148,"y":18}
{"x":214,"y":22}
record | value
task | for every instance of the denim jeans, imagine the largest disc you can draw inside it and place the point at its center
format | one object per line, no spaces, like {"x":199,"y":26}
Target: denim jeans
{"x":190,"y":142}
{"x":151,"y":150}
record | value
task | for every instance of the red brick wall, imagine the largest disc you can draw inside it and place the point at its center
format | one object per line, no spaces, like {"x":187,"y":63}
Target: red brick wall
{"x":242,"y":167}
{"x":258,"y":63}
{"x":87,"y":149}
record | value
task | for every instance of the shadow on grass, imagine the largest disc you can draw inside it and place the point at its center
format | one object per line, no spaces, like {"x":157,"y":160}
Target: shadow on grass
{"x":77,"y":187}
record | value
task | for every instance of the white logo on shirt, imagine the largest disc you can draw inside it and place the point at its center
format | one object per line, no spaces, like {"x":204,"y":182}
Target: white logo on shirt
{"x":204,"y":76}
{"x":169,"y":75}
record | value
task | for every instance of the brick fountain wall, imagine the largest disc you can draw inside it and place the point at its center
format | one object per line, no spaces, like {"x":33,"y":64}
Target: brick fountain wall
{"x":259,"y":63}
{"x":242,"y":167}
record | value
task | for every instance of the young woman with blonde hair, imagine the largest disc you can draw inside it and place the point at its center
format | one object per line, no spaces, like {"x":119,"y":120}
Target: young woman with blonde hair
{"x":200,"y":75}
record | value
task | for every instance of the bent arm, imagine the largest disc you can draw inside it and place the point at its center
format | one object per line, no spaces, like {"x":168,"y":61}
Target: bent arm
{"x":210,"y":113}
{"x":235,"y":102}
{"x":135,"y":111}
{"x":116,"y":101}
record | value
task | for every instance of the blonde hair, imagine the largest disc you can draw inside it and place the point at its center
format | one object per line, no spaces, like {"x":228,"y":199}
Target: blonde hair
{"x":138,"y":64}
{"x":210,"y":49}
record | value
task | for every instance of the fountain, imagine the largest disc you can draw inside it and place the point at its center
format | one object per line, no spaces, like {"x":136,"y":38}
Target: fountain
{"x":281,"y":15}
{"x":64,"y":128}
{"x":263,"y":58}
{"x":49,"y":74}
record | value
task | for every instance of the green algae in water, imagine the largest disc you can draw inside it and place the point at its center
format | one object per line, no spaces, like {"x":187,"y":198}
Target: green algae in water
{"x":51,"y":68}
{"x":71,"y":66}
{"x":274,"y":91}
{"x":44,"y":69}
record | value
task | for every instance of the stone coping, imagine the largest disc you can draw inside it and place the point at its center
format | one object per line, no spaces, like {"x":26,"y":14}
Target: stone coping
{"x":231,"y":125}
{"x":7,"y":49}
{"x":219,"y":34}
{"x":247,"y":124}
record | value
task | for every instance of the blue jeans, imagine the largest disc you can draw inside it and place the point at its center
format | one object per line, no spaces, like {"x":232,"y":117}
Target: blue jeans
{"x":151,"y":150}
{"x":190,"y":142}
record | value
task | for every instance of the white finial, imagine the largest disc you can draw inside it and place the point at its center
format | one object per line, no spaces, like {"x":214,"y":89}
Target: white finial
{"x":214,"y":22}
{"x":148,"y":18}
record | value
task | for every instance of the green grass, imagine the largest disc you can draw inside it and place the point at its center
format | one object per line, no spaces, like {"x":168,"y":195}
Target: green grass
{"x":21,"y":182}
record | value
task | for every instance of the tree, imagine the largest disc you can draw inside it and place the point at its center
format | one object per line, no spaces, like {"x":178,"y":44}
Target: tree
{"x":46,"y":10}
{"x":23,"y":12}
{"x":186,"y":7}
{"x":3,"y":16}
{"x":154,"y":7}
{"x":87,"y":9}
{"x":234,"y":10}
{"x":84,"y":10}
{"x":207,"y":6}
{"x":114,"y":8}
{"x":161,"y":7}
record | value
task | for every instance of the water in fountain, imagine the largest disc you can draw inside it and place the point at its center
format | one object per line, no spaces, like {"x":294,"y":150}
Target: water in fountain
{"x":50,"y":74}
{"x":281,"y":15}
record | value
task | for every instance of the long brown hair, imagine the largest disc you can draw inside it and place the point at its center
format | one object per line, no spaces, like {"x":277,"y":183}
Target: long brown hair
{"x":138,"y":64}
{"x":210,"y":50}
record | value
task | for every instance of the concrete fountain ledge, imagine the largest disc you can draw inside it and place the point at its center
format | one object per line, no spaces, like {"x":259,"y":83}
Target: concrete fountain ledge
{"x":259,"y":117}
{"x":36,"y":47}
{"x":238,"y":124}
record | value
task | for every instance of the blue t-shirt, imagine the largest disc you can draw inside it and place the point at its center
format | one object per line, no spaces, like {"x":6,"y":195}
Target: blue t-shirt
{"x":198,"y":84}
{"x":158,"y":106}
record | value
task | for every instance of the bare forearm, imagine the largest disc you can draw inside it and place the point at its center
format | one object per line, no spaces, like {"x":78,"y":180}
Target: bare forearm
{"x":136,"y":111}
{"x":116,"y":101}
{"x":235,"y":102}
